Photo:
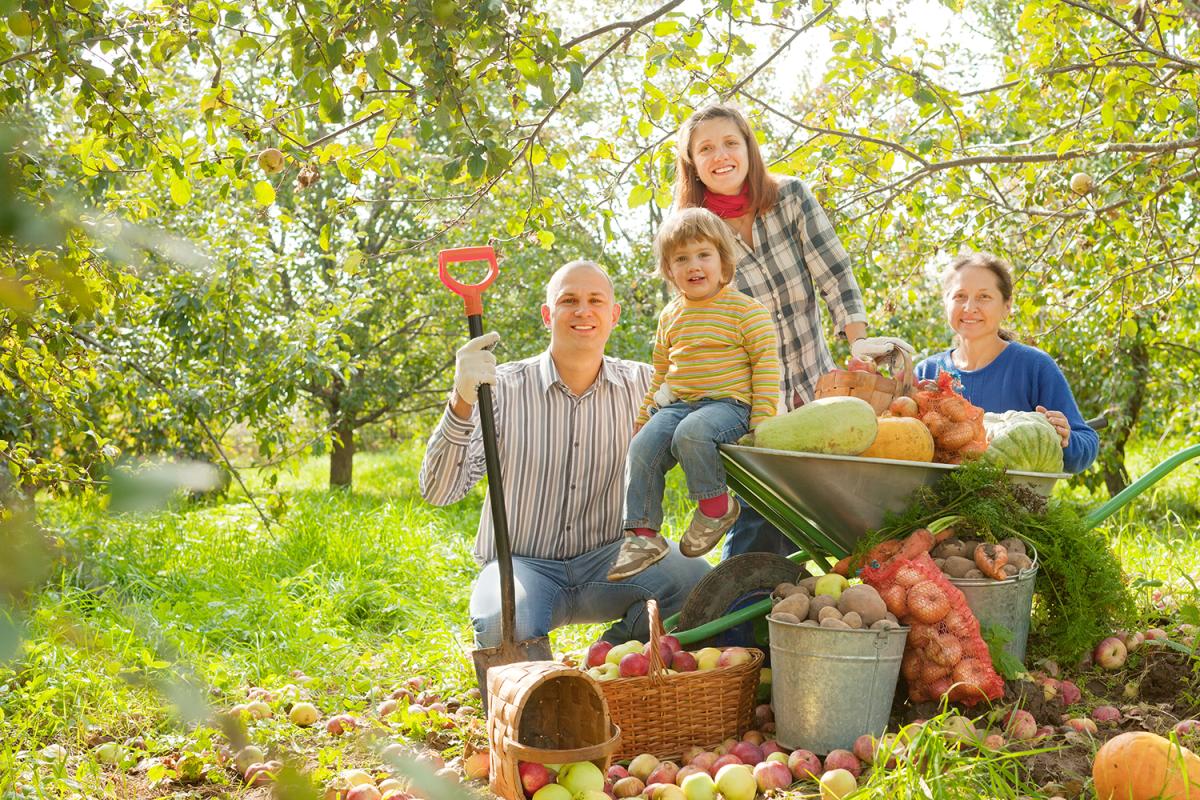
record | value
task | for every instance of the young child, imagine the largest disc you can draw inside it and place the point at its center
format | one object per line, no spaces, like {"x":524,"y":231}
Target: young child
{"x":717,"y":351}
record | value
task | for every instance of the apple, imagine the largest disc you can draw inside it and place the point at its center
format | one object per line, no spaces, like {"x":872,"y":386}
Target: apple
{"x":552,"y":791}
{"x":736,"y":782}
{"x":259,"y":710}
{"x":754,"y":737}
{"x":843,"y":759}
{"x":107,"y":753}
{"x":303,"y":714}
{"x":1082,"y":725}
{"x":1110,"y":654}
{"x":685,"y":770}
{"x":1082,"y":183}
{"x":683,"y":661}
{"x":763,"y":713}
{"x":387,"y":707}
{"x":725,"y":746}
{"x":605,"y":672}
{"x":705,"y":760}
{"x":478,"y":765}
{"x":831,"y":584}
{"x":804,"y":765}
{"x":837,"y":783}
{"x":699,"y":786}
{"x":748,"y":752}
{"x":257,"y":775}
{"x":1020,"y":724}
{"x":635,"y":665}
{"x":597,"y":653}
{"x":641,"y":766}
{"x":349,"y":778}
{"x":1106,"y":714}
{"x":1070,"y":693}
{"x":772,"y":746}
{"x":628,"y":786}
{"x":665,"y":772}
{"x":271,"y":161}
{"x":1186,"y":727}
{"x":533,"y":776}
{"x":994,"y":741}
{"x":248,"y":755}
{"x":616,"y":772}
{"x":668,"y":791}
{"x":772,"y":776}
{"x":592,"y":794}
{"x":706,"y":658}
{"x":734,"y":657}
{"x":1155,"y":634}
{"x":778,"y":757}
{"x":620,"y":651}
{"x":864,"y":748}
{"x":722,"y":762}
{"x":336,"y":726}
{"x":366,"y":791}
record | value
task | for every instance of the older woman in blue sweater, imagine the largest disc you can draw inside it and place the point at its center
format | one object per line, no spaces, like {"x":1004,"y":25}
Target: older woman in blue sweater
{"x":997,"y":373}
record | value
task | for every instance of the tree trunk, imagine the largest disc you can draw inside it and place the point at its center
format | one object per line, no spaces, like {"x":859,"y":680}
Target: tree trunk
{"x":341,"y":459}
{"x":1112,"y":465}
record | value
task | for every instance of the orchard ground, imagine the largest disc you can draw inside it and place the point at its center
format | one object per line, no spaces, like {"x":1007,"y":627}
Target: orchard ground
{"x":149,"y":624}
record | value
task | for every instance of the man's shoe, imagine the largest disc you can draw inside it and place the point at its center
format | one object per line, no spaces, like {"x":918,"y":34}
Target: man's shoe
{"x":704,"y":532}
{"x":638,"y":553}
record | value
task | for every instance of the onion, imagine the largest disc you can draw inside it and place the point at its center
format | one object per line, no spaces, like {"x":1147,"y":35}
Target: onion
{"x":908,"y":575}
{"x":927,"y":602}
{"x":945,"y":650}
{"x":932,"y":671}
{"x":894,"y":598}
{"x":910,"y":665}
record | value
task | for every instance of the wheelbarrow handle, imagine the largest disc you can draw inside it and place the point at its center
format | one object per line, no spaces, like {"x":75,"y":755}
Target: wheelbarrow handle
{"x":471,"y":293}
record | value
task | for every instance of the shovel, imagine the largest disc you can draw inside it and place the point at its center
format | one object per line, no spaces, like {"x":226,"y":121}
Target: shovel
{"x":509,"y":650}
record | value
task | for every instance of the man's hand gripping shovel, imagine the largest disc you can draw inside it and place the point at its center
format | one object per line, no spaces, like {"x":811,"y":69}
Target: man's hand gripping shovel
{"x":509,"y":650}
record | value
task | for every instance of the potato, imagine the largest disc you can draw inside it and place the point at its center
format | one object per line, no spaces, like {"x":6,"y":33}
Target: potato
{"x":892,"y":618}
{"x":1013,"y":545}
{"x":863,"y":600}
{"x":958,"y":567}
{"x":883,"y":625}
{"x":940,"y":563}
{"x":832,"y":622}
{"x":828,"y":612}
{"x":852,"y":619}
{"x":783,"y":590}
{"x":795,"y":604}
{"x":819,"y":602}
{"x":1020,"y":560}
{"x":1011,"y":570}
{"x":809,"y":584}
{"x":974,"y":574}
{"x":812,"y":623}
{"x":783,"y":616}
{"x":952,"y":546}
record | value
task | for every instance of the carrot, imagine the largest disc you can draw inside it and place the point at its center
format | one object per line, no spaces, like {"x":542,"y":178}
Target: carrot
{"x":991,"y":558}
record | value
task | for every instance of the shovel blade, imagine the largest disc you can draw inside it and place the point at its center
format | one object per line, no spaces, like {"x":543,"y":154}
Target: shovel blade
{"x":507,"y":653}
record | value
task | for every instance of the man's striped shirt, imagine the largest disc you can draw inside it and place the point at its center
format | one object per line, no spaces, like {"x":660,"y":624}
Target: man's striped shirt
{"x":562,"y":457}
{"x":721,"y":347}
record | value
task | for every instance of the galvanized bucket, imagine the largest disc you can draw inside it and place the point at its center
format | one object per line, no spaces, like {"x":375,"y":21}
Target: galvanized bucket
{"x":1008,"y":603}
{"x":831,"y":686}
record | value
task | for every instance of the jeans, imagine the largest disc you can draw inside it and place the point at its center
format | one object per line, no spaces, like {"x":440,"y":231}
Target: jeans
{"x":550,"y":594}
{"x":753,"y":534}
{"x":687,"y":434}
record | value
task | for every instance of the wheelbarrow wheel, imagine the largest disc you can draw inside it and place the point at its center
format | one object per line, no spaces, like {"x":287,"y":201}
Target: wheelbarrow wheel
{"x":733,"y":584}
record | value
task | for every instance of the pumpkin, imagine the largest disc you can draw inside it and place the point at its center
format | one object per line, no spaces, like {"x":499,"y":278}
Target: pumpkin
{"x":1023,"y":440}
{"x":1141,"y":766}
{"x":901,"y":438}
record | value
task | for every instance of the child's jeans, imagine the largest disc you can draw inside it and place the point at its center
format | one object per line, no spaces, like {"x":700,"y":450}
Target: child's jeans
{"x":686,"y":434}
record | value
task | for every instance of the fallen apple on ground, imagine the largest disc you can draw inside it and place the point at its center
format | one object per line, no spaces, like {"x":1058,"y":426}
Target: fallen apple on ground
{"x":1110,"y":654}
{"x":303,"y":714}
{"x":837,"y":783}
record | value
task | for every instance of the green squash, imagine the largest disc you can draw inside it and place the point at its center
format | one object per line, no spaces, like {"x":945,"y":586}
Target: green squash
{"x":1023,"y":440}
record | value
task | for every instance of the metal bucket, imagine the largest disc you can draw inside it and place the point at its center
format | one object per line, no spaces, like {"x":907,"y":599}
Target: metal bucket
{"x":1008,"y":603}
{"x":830,"y":686}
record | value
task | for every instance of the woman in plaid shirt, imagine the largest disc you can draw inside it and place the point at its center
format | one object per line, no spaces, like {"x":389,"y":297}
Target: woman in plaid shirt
{"x":787,"y":252}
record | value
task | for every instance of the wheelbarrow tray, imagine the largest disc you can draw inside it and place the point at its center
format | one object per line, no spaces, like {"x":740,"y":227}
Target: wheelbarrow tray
{"x":843,"y":497}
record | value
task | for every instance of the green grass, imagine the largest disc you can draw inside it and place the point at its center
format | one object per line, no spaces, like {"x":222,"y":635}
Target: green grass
{"x":147,"y":620}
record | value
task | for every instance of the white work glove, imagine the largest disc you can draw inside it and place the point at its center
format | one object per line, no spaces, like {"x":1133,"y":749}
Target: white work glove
{"x":664,"y":396}
{"x":475,"y":363}
{"x":880,"y":349}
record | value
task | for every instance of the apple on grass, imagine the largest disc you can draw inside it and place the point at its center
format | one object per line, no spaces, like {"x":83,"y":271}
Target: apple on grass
{"x":837,"y":783}
{"x":367,"y":791}
{"x":804,"y":764}
{"x":303,"y":714}
{"x":1110,"y":654}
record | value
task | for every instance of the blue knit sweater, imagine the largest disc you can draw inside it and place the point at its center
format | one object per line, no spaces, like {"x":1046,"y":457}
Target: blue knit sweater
{"x":1020,"y":379}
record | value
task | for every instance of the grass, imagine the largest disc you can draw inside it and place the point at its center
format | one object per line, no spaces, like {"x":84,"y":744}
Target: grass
{"x":147,"y":621}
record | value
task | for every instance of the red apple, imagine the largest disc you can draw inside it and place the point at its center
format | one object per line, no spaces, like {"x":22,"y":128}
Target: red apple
{"x":690,"y":752}
{"x":763,"y":714}
{"x":683,"y":661}
{"x":1106,"y":714}
{"x":864,"y":748}
{"x":772,"y":776}
{"x":671,"y":643}
{"x":805,"y":765}
{"x":338,"y":725}
{"x":533,"y":776}
{"x":754,"y":737}
{"x":616,"y":772}
{"x":1110,"y":654}
{"x":748,"y":752}
{"x":1082,"y":725}
{"x":705,"y":760}
{"x":1020,"y":724}
{"x":843,"y":759}
{"x":1070,"y":693}
{"x":734,"y":657}
{"x":772,"y":746}
{"x":597,"y":652}
{"x":1155,"y":634}
{"x":728,"y":758}
{"x":634,"y":665}
{"x":1186,"y":727}
{"x":858,"y":365}
{"x":684,"y":771}
{"x":663,"y":773}
{"x":364,"y":791}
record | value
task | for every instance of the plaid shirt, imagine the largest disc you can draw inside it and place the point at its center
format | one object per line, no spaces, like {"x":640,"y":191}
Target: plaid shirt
{"x":795,"y":248}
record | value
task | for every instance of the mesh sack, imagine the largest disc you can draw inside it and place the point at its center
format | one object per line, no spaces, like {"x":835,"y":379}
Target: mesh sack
{"x":945,"y":653}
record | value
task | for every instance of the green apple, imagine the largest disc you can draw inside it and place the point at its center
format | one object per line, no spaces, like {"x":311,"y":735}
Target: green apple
{"x":699,"y":786}
{"x":620,"y":651}
{"x":832,"y":585}
{"x":706,"y":658}
{"x":580,"y":776}
{"x":592,"y":794}
{"x":552,"y":791}
{"x":737,"y":782}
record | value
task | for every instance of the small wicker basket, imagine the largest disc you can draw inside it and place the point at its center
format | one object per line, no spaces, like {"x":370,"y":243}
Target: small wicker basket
{"x":876,"y":389}
{"x":548,"y":713}
{"x":662,"y":714}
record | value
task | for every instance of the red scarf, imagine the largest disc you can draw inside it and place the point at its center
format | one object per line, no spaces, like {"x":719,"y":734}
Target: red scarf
{"x":728,"y":206}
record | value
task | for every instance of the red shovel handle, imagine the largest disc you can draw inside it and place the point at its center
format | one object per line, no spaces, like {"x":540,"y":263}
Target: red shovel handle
{"x":472,"y":294}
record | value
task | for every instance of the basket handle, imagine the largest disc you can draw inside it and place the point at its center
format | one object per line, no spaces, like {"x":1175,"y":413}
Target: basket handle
{"x":658,"y":669}
{"x":906,"y":385}
{"x":542,"y":755}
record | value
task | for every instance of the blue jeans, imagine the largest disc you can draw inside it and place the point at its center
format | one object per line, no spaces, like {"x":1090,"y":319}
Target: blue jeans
{"x":554,"y":593}
{"x":753,"y":534}
{"x":686,"y":434}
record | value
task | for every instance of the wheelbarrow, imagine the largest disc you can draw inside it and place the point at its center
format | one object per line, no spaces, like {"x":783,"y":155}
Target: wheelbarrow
{"x":825,"y":504}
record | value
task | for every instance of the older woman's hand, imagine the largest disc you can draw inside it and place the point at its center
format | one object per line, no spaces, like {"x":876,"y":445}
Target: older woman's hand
{"x":1059,"y":421}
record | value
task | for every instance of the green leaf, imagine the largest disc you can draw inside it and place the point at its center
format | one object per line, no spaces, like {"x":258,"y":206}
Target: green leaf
{"x":181,"y":190}
{"x":264,"y":193}
{"x":639,"y":195}
{"x":545,"y":239}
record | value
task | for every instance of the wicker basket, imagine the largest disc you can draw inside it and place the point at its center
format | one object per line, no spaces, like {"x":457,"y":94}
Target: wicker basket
{"x":876,"y":389}
{"x":548,"y":713}
{"x":662,"y":714}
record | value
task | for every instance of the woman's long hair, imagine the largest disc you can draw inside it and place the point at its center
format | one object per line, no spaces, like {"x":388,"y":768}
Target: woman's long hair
{"x":993,"y":264}
{"x":689,"y":189}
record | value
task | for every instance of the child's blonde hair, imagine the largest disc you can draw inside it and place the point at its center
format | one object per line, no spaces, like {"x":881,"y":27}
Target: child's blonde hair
{"x":690,"y":225}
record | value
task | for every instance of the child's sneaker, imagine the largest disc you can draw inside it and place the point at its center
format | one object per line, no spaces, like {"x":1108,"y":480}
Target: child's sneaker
{"x":704,"y":532}
{"x":638,"y":553}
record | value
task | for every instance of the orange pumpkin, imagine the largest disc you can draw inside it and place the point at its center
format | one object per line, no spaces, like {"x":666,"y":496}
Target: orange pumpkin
{"x":1144,"y":766}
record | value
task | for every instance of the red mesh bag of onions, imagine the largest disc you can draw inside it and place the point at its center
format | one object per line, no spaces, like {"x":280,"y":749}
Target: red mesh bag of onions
{"x":945,"y":653}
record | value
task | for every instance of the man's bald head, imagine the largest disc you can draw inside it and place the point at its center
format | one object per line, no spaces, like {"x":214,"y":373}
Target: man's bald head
{"x":556,"y":280}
